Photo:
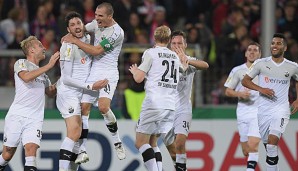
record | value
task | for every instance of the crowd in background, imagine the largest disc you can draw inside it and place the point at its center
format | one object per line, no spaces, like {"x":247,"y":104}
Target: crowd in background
{"x":222,"y":29}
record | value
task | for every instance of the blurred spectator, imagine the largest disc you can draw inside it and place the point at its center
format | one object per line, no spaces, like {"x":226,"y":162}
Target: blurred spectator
{"x":41,"y":23}
{"x":88,"y":11}
{"x":122,"y":11}
{"x":142,"y":38}
{"x":292,"y":52}
{"x":239,"y":54}
{"x":49,"y":42}
{"x":133,"y":97}
{"x":159,"y":19}
{"x":220,"y":14}
{"x":146,"y":11}
{"x":234,"y":19}
{"x":218,"y":94}
{"x":133,"y":58}
{"x":291,"y":20}
{"x":200,"y":33}
{"x":8,"y":27}
{"x":134,"y":28}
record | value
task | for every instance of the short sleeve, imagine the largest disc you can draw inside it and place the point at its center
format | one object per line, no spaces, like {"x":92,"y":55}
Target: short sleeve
{"x":66,"y":51}
{"x":146,"y":62}
{"x":92,"y":26}
{"x":20,"y":65}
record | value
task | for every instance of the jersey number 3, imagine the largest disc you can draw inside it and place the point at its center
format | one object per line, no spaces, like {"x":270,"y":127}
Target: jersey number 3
{"x":173,"y":71}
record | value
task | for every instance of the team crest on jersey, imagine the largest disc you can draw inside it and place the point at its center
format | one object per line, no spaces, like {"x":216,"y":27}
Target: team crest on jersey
{"x":287,"y":74}
{"x":22,"y":65}
{"x":70,"y":109}
{"x":5,"y":138}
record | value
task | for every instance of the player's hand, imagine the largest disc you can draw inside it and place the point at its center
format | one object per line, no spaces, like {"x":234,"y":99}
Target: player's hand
{"x":69,"y":38}
{"x":294,"y":106}
{"x":100,"y":84}
{"x":133,"y":68}
{"x":244,"y":95}
{"x":268,"y":93}
{"x":54,"y":58}
{"x":180,"y":52}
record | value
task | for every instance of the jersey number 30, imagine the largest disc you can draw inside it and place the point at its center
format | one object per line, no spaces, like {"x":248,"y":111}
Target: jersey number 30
{"x":173,"y":71}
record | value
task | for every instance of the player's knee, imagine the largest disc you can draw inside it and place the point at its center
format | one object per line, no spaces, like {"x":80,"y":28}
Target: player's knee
{"x":103,"y":109}
{"x":30,"y":149}
{"x":253,"y":146}
{"x":245,"y":152}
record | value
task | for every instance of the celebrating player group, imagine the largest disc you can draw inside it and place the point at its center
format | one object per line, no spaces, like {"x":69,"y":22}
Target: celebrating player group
{"x":89,"y":76}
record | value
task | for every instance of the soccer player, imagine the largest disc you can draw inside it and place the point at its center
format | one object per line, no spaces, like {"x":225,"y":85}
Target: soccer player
{"x":107,"y":46}
{"x":23,"y":122}
{"x":274,"y":74}
{"x":160,"y":67}
{"x":176,"y":138}
{"x":247,"y":107}
{"x":75,"y":66}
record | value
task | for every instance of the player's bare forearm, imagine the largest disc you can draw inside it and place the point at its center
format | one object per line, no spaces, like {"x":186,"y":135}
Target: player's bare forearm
{"x":90,"y":49}
{"x":247,"y":82}
{"x":28,"y":76}
{"x":231,"y":93}
{"x":199,"y":64}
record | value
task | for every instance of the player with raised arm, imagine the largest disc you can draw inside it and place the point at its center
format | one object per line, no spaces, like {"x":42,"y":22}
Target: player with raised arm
{"x":176,"y":138}
{"x":160,"y":67}
{"x":247,"y":107}
{"x":274,"y":75}
{"x":108,"y":41}
{"x":24,"y":120}
{"x":75,"y":66}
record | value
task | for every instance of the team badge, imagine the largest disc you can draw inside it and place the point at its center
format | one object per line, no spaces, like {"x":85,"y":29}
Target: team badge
{"x":70,"y":109}
{"x":287,"y":74}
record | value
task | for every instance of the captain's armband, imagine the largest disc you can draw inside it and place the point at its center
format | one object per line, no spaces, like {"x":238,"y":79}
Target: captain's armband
{"x":106,"y":45}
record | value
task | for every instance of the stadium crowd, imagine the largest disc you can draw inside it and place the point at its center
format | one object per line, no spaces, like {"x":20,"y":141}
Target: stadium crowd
{"x":222,"y":29}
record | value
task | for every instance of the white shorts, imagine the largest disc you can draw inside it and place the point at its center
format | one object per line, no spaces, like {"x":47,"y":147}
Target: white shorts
{"x":182,"y":123}
{"x":68,"y":105}
{"x":92,"y":96}
{"x":248,"y":128}
{"x":21,"y":129}
{"x":155,"y":121}
{"x":272,"y":124}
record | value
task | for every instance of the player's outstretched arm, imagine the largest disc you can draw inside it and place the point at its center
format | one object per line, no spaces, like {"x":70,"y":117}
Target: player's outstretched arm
{"x":28,"y":76}
{"x":199,"y":64}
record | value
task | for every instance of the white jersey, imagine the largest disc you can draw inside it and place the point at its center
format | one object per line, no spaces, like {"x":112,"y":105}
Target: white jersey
{"x":161,"y":66}
{"x":111,"y":39}
{"x":277,"y":77}
{"x":78,"y":63}
{"x":183,"y":99}
{"x":245,"y":108}
{"x":29,"y":100}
